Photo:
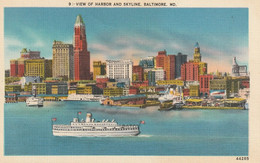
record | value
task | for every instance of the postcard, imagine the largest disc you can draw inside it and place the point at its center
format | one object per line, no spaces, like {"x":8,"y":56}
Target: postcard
{"x":129,"y":81}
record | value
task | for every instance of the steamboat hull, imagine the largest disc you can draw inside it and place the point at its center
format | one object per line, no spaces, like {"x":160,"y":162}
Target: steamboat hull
{"x":96,"y":133}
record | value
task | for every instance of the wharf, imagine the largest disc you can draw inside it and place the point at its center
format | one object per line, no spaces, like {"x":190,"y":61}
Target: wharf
{"x":212,"y":107}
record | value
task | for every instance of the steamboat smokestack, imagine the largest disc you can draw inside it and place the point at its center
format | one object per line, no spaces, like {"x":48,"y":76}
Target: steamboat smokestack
{"x":88,"y":117}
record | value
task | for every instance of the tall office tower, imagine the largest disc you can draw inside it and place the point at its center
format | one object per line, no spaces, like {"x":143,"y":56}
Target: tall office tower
{"x":62,"y":60}
{"x":160,"y":59}
{"x":81,"y":53}
{"x":179,"y":60}
{"x":196,"y":55}
{"x":169,"y":67}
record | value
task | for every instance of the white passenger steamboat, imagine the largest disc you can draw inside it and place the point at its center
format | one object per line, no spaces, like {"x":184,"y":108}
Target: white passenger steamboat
{"x":34,"y":101}
{"x":91,"y":128}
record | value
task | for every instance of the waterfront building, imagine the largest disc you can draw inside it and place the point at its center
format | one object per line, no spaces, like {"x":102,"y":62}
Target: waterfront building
{"x":88,"y":89}
{"x":56,"y":87}
{"x":169,"y":82}
{"x":40,"y":88}
{"x":186,"y":92}
{"x":138,"y":84}
{"x":147,"y":62}
{"x":126,"y":100}
{"x":189,"y":72}
{"x":228,"y":84}
{"x":113,"y":91}
{"x":238,"y":70}
{"x":205,"y":84}
{"x":125,"y":91}
{"x":138,"y":73}
{"x":188,"y":83}
{"x":133,"y":90}
{"x":245,"y":84}
{"x":81,"y":53}
{"x":194,"y":90}
{"x":62,"y":60}
{"x":99,"y":68}
{"x":119,"y":69}
{"x":101,"y":81}
{"x":179,"y":60}
{"x":111,"y":84}
{"x":13,"y":88}
{"x":17,"y":66}
{"x":125,"y":82}
{"x":244,"y":93}
{"x":28,"y":87}
{"x":147,"y":89}
{"x":38,"y":67}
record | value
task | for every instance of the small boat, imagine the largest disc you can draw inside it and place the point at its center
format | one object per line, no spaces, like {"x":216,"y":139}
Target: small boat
{"x":34,"y":101}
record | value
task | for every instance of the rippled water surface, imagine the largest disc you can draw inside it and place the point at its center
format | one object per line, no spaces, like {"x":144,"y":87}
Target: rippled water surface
{"x":185,"y":132}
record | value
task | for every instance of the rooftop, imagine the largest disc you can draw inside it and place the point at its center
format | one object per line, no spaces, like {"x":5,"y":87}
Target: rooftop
{"x":79,"y":21}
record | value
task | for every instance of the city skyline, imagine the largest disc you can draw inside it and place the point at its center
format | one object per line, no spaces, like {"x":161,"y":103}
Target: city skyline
{"x":131,"y":33}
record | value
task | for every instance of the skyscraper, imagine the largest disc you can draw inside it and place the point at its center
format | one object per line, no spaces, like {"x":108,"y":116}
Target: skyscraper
{"x":81,"y":53}
{"x":62,"y":62}
{"x":196,"y":55}
{"x":180,"y":59}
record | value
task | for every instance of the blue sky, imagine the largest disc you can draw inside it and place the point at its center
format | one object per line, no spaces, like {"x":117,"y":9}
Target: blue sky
{"x":133,"y":33}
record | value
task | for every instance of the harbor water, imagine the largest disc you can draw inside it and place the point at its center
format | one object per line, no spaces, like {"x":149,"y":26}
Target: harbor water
{"x":28,"y":131}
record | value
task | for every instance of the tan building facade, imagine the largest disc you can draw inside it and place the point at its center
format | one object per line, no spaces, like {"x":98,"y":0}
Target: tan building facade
{"x":38,"y":67}
{"x":99,"y":68}
{"x":63,"y":60}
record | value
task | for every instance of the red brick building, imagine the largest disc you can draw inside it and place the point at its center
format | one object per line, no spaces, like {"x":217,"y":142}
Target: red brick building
{"x":169,"y":67}
{"x":81,"y":53}
{"x":17,"y":66}
{"x":13,"y":67}
{"x":133,"y":90}
{"x":245,"y":84}
{"x":167,"y":62}
{"x":101,"y":81}
{"x":189,"y":72}
{"x":139,"y":71}
{"x":139,"y":84}
{"x":205,"y":84}
{"x":186,"y":92}
{"x":160,"y":59}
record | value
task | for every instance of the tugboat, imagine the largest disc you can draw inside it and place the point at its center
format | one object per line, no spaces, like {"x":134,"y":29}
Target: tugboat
{"x":34,"y":101}
{"x":91,"y":128}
